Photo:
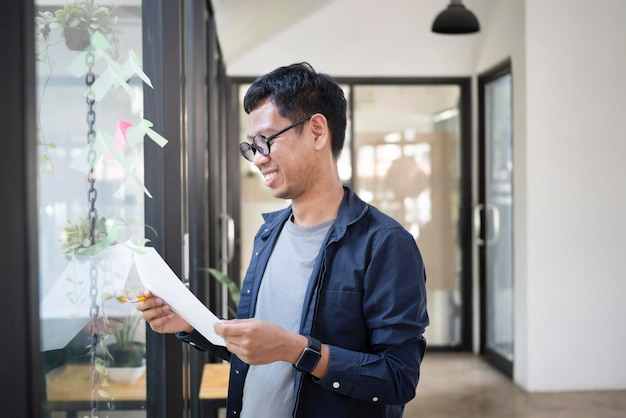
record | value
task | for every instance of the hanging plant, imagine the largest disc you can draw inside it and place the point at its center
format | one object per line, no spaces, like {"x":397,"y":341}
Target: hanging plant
{"x":76,"y":235}
{"x":75,"y":239}
{"x":77,"y":22}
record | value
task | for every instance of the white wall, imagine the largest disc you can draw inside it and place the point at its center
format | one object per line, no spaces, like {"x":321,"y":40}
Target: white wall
{"x":569,"y":95}
{"x":576,"y":195}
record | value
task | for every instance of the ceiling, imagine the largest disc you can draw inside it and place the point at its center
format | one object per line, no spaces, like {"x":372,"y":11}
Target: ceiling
{"x":245,"y":25}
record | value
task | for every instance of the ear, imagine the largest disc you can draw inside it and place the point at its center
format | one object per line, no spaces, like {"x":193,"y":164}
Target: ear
{"x":320,"y":131}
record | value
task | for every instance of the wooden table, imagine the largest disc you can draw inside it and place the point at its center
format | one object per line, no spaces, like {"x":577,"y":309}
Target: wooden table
{"x":214,"y":388}
{"x":69,"y":389}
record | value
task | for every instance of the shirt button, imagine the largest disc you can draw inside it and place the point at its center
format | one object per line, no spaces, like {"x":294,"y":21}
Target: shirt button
{"x":375,"y":398}
{"x":336,"y":385}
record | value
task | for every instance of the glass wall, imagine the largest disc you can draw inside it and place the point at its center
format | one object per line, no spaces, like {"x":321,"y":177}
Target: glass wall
{"x":406,"y":145}
{"x":90,"y":132}
{"x":402,"y":154}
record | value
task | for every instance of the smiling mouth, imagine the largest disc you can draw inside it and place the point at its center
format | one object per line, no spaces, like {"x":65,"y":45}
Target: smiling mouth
{"x":269,"y":176}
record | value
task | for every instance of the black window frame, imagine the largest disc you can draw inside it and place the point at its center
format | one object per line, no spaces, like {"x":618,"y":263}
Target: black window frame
{"x":20,"y":376}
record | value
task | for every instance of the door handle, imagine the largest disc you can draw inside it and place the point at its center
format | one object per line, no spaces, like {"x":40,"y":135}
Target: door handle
{"x":228,"y":238}
{"x":478,"y":223}
{"x":496,"y":224}
{"x":495,"y":219}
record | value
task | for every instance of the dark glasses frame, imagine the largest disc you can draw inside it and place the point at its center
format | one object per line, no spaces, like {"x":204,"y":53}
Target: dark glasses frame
{"x":261,"y":143}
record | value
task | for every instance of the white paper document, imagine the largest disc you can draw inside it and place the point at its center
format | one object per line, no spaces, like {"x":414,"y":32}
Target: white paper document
{"x":159,"y":278}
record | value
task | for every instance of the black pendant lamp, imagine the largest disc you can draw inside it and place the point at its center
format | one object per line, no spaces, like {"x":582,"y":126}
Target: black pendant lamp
{"x":456,"y":20}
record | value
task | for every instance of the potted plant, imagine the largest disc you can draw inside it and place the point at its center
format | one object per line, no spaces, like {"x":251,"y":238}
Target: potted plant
{"x":125,"y":357}
{"x":75,"y":238}
{"x":126,"y":351}
{"x":77,"y":21}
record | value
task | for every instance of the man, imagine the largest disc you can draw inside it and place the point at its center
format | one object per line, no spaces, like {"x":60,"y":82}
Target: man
{"x":333,"y":306}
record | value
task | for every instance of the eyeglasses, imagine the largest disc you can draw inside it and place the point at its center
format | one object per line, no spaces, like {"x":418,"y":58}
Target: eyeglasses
{"x":261,"y":143}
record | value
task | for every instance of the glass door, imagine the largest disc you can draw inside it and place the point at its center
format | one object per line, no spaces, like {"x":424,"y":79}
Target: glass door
{"x":408,"y":163}
{"x":494,"y":217}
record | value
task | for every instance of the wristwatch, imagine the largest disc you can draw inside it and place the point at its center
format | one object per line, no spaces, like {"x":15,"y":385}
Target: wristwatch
{"x":309,"y":357}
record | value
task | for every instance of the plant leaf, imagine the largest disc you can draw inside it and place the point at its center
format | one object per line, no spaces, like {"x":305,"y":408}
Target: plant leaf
{"x":233,"y":289}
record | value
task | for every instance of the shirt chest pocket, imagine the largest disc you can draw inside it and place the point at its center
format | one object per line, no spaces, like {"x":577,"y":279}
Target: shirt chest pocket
{"x":339,"y":318}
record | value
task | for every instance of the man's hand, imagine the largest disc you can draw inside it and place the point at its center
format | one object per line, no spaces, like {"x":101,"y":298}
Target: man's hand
{"x":260,"y":342}
{"x":160,"y":315}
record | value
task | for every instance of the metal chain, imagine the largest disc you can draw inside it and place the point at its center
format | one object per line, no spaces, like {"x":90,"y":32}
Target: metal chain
{"x":92,"y":195}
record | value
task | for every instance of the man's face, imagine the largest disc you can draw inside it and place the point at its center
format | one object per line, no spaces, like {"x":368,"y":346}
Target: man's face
{"x":286,"y":170}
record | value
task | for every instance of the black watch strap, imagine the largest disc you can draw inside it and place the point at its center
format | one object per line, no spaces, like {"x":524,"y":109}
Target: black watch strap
{"x":310,"y":356}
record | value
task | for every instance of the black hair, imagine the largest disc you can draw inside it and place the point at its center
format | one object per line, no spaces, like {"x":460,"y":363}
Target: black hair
{"x":298,"y":91}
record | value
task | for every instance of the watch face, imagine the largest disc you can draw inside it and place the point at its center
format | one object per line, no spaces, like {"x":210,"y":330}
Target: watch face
{"x":308,"y":360}
{"x":310,"y":356}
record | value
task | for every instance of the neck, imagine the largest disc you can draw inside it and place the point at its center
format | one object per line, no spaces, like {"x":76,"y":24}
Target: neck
{"x":317,"y":207}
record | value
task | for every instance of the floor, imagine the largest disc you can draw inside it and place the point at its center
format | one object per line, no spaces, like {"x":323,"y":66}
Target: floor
{"x":464,"y":386}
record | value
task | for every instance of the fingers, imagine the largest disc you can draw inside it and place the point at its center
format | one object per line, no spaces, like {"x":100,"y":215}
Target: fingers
{"x":159,"y":324}
{"x":149,"y":300}
{"x":229,"y":328}
{"x":159,"y":314}
{"x":153,"y":308}
{"x":144,"y":292}
{"x":154,"y":311}
{"x":255,"y":341}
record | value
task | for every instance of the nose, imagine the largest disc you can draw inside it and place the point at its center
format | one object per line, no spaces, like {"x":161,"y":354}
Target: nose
{"x":260,"y":159}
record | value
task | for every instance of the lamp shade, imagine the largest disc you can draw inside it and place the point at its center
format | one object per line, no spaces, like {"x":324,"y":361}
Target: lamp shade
{"x":456,"y":19}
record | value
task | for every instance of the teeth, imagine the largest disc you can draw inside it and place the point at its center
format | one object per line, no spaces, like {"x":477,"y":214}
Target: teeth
{"x":269,"y":176}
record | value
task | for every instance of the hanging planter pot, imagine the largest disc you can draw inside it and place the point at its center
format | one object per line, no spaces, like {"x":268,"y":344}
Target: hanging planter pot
{"x":76,"y":20}
{"x":76,"y":39}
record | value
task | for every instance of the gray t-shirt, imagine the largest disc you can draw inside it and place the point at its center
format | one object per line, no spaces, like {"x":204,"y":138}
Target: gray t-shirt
{"x":268,"y":391}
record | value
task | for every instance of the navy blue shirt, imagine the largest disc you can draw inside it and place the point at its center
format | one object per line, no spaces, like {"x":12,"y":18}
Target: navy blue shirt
{"x":367,"y":303}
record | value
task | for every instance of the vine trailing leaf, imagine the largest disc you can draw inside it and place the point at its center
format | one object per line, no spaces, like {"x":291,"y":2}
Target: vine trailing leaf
{"x":76,"y":22}
{"x":75,"y":241}
{"x":96,"y":28}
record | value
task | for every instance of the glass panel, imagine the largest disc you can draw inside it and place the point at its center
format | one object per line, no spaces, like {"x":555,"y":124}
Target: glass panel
{"x":406,"y":142}
{"x":499,"y":216}
{"x":90,"y":136}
